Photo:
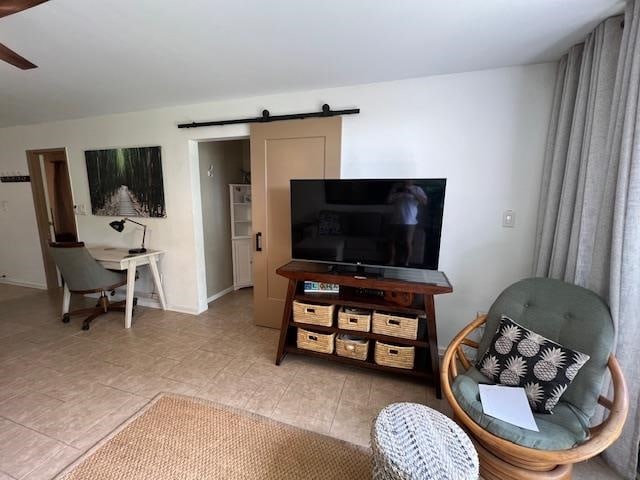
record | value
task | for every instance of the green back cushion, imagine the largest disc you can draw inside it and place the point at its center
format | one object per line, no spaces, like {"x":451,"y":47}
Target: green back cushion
{"x":567,"y":314}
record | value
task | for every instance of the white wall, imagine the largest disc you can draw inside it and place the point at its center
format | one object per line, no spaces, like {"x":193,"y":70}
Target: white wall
{"x":484,"y":131}
{"x":226,"y":159}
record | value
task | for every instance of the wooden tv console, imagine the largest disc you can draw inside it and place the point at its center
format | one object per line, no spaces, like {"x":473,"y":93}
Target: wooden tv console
{"x":423,"y":285}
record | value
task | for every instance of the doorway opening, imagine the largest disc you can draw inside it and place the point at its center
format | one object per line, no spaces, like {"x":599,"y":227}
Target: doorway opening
{"x":53,"y":201}
{"x":225,"y":189}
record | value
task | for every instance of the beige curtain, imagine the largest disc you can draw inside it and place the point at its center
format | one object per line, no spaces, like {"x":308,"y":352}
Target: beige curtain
{"x":589,"y":219}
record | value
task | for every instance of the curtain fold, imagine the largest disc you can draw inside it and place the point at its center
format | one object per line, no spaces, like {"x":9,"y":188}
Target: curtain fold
{"x":589,"y":219}
{"x":575,"y":160}
{"x":617,"y":245}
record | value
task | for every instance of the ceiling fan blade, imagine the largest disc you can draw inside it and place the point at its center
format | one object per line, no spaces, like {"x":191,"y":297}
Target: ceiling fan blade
{"x":8,"y":7}
{"x":9,"y":56}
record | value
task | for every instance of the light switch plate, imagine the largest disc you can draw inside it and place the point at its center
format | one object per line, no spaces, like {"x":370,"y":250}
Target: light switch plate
{"x":509,"y":219}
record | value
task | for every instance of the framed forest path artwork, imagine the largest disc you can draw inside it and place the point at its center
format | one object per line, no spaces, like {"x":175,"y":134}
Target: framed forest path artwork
{"x":126,"y":182}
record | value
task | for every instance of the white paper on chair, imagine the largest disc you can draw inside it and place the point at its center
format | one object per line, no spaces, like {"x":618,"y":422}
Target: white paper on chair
{"x":509,"y":404}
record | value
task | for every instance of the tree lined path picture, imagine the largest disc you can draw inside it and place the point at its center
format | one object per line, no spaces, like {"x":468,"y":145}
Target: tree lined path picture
{"x":126,"y":182}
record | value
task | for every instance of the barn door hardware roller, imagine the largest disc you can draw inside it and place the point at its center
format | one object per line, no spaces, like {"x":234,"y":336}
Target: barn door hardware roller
{"x":266,"y":117}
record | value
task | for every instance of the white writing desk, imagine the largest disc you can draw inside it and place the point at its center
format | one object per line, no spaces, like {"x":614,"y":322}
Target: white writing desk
{"x":120,"y":259}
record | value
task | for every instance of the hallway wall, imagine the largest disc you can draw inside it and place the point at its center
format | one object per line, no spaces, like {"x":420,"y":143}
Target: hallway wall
{"x":226,"y":158}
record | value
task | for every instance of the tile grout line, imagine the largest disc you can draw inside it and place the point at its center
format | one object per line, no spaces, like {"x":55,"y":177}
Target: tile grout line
{"x":344,"y":382}
{"x":55,"y":451}
{"x":10,"y":476}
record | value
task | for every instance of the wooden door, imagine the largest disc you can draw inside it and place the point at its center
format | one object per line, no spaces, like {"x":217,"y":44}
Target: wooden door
{"x":282,"y":151}
{"x":60,"y":198}
{"x":53,"y":202}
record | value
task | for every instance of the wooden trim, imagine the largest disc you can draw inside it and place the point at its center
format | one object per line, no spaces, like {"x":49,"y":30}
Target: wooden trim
{"x":42,"y":218}
{"x":40,"y":205}
{"x":42,"y":151}
{"x":66,"y":244}
{"x":526,"y":458}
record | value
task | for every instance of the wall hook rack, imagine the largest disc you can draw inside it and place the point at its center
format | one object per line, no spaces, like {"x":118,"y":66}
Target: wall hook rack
{"x":267,"y":117}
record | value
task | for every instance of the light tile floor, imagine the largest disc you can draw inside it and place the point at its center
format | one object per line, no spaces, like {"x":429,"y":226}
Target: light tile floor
{"x":63,"y":389}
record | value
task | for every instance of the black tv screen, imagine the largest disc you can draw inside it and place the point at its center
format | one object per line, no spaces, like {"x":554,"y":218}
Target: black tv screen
{"x":391,"y":223}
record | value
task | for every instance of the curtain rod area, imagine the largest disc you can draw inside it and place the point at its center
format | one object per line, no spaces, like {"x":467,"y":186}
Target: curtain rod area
{"x":266,"y":117}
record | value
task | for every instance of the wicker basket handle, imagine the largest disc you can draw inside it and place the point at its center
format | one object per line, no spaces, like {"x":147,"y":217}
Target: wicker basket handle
{"x":312,"y":337}
{"x":393,"y":321}
{"x":309,"y":310}
{"x":353,"y":320}
{"x":393,"y":352}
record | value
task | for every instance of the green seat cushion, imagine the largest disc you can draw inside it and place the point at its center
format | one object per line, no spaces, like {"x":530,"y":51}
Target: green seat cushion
{"x":565,"y":428}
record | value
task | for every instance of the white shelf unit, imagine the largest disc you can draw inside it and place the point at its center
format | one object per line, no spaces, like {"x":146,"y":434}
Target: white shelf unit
{"x":241,"y":234}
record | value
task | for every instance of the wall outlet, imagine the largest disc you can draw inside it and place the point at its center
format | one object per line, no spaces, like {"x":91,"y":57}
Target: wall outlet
{"x":80,"y":209}
{"x":509,"y":219}
{"x":4,"y":206}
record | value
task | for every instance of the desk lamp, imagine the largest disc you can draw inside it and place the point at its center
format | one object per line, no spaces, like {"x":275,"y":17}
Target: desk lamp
{"x":118,"y":226}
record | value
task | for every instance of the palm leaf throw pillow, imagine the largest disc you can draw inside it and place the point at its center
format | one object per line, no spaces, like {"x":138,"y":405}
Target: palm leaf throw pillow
{"x":520,"y":357}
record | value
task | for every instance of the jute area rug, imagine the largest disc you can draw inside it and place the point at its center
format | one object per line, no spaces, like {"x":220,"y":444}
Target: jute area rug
{"x":177,"y":437}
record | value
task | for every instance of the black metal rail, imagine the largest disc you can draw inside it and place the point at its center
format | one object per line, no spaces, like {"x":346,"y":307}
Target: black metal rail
{"x":266,"y":117}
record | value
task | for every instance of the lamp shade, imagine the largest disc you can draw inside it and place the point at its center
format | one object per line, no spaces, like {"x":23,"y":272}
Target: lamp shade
{"x":117,"y":225}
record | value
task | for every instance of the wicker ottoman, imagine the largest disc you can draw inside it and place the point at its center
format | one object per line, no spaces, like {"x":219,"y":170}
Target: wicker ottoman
{"x":412,"y":442}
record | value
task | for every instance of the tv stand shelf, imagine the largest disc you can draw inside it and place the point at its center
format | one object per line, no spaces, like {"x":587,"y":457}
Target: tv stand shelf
{"x":359,"y":301}
{"x":424,"y":288}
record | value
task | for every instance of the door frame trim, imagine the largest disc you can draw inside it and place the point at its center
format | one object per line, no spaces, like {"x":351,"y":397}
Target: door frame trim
{"x":210,"y":134}
{"x":40,"y":207}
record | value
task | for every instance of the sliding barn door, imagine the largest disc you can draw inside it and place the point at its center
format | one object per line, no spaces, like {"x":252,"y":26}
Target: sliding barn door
{"x":282,"y":151}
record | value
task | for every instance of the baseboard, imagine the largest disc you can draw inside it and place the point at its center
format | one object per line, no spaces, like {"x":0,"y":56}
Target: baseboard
{"x":222,"y":293}
{"x":183,"y":309}
{"x":147,"y":301}
{"x":22,"y":283}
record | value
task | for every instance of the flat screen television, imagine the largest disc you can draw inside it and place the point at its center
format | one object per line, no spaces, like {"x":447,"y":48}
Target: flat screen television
{"x":376,"y":223}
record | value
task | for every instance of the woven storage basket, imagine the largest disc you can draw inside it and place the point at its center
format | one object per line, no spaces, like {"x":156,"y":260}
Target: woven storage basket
{"x":394,"y":356}
{"x":395,"y":325}
{"x":318,"y":342}
{"x":352,"y":347}
{"x":313,"y":314}
{"x":352,"y":319}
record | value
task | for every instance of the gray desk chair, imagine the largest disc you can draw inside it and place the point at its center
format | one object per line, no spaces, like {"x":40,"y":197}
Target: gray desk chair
{"x":83,"y":274}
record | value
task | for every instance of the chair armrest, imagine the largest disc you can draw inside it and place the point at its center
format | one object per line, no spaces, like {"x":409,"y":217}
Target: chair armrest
{"x":604,"y":434}
{"x":454,"y":353}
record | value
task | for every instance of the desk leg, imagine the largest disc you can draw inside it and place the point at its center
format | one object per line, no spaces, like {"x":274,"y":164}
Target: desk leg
{"x":66,"y":300}
{"x":153,"y":264}
{"x":131,"y":281}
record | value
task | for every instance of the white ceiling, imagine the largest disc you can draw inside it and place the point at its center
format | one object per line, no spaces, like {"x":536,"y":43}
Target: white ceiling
{"x":99,"y":57}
